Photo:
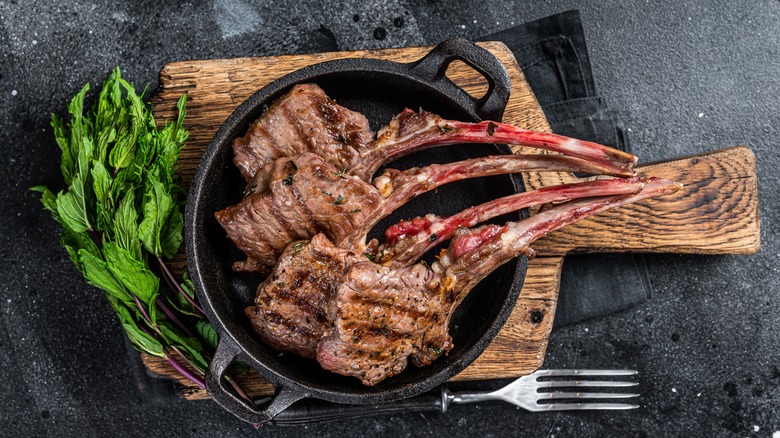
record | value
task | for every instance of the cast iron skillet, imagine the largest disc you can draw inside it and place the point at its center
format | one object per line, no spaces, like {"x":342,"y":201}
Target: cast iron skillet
{"x":378,"y":89}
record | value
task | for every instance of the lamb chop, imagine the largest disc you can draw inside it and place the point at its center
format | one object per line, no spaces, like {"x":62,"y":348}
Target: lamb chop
{"x":307,"y":120}
{"x":406,"y":241}
{"x":296,"y":198}
{"x":380,"y":317}
{"x":289,"y":312}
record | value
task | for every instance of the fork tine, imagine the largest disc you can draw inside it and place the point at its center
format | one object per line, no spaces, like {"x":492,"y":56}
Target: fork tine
{"x":559,"y":395}
{"x":558,"y":373}
{"x":584,"y":406}
{"x":588,"y":383}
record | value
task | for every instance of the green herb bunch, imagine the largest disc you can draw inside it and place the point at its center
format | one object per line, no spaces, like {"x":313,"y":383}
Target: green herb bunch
{"x":122,"y":210}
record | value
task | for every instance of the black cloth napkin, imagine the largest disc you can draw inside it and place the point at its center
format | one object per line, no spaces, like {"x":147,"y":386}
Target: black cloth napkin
{"x":554,"y":58}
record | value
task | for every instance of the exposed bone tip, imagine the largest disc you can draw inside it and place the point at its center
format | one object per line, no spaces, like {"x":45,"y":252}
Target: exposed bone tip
{"x":664,"y":186}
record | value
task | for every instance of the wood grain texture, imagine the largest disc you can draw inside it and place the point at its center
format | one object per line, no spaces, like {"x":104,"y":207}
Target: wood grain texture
{"x":716,"y":212}
{"x":216,"y":87}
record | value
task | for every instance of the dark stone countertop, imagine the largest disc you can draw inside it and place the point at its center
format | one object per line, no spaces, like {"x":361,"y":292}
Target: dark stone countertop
{"x":688,"y":77}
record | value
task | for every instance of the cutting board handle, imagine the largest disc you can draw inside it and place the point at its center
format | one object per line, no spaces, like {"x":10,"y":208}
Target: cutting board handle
{"x":716,"y":212}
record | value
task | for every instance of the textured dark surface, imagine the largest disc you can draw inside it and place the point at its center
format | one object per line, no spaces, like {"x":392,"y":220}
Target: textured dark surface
{"x":553,"y":54}
{"x":688,"y":77}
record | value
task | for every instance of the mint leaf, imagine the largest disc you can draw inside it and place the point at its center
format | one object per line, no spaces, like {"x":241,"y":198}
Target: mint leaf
{"x":97,"y":274}
{"x":70,"y":140}
{"x":124,"y":151}
{"x":180,"y":303}
{"x":193,"y":349}
{"x":141,"y":341}
{"x":122,"y":193}
{"x":158,"y":204}
{"x":126,"y":226}
{"x":187,"y":285}
{"x":173,"y":136}
{"x":84,"y":158}
{"x":125,"y":180}
{"x":172,"y":234}
{"x":67,"y":161}
{"x":104,"y":138}
{"x":101,"y":185}
{"x":207,"y":332}
{"x":133,"y":274}
{"x":48,"y":199}
{"x":74,"y":242}
{"x":72,"y":206}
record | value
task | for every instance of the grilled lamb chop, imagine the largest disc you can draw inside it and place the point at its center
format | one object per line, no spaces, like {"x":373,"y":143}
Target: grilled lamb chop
{"x":406,"y":241}
{"x":380,"y":317}
{"x":289,"y":311}
{"x":303,"y":120}
{"x":307,"y":120}
{"x":305,"y":195}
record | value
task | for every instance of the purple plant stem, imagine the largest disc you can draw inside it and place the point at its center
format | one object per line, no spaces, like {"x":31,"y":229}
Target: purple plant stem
{"x":177,"y":365}
{"x":184,"y":371}
{"x":143,"y":311}
{"x":145,"y":330}
{"x":238,"y":388}
{"x":187,"y":359}
{"x":167,"y":272}
{"x":168,"y":281}
{"x":174,"y":363}
{"x":173,"y":317}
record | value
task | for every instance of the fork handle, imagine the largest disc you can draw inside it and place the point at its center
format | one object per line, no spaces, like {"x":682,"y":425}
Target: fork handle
{"x":314,"y":411}
{"x":471,"y":397}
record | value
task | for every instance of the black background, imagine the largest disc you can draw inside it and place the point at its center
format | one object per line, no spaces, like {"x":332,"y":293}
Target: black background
{"x":687,"y":77}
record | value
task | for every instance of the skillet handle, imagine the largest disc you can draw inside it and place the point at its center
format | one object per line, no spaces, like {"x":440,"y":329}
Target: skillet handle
{"x":217,"y":388}
{"x":433,"y":66}
{"x":318,"y":411}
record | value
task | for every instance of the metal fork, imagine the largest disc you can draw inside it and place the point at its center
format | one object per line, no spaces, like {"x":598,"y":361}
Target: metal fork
{"x":528,"y":392}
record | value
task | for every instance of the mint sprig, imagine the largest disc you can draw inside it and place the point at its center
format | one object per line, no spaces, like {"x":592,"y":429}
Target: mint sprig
{"x":122,"y":208}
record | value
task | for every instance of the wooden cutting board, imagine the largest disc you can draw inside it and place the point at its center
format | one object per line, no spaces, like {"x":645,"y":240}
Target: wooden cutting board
{"x":716,"y":213}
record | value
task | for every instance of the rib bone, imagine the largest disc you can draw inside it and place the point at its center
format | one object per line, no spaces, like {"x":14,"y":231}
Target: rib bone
{"x":296,"y":198}
{"x":307,"y":120}
{"x":410,"y":132}
{"x":407,"y":241}
{"x":380,"y":317}
{"x":289,"y":312}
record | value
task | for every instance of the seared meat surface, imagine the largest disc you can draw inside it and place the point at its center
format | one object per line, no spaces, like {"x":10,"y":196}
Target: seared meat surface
{"x":304,"y":196}
{"x":296,"y":198}
{"x":293,"y":194}
{"x":381,"y":317}
{"x":303,"y":120}
{"x":289,"y":311}
{"x":360,"y":308}
{"x":306,"y":120}
{"x":295,"y":306}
